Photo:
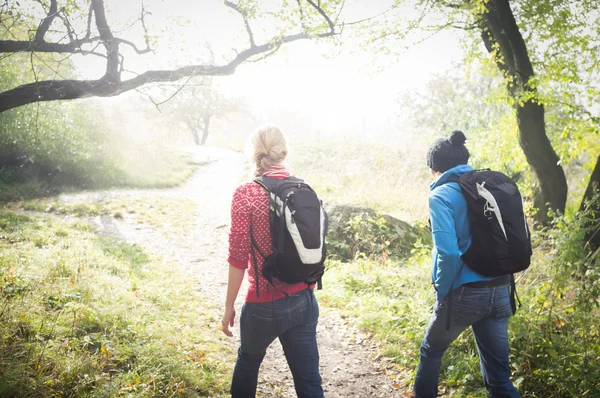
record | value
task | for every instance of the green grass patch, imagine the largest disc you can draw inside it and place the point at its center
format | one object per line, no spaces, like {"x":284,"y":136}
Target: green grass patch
{"x":82,"y":315}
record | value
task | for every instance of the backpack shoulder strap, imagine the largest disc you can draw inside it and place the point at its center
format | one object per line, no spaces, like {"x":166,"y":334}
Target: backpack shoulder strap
{"x":270,"y":184}
{"x":261,"y":181}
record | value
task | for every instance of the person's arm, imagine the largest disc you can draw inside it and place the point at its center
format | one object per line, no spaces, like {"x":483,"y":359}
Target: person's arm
{"x":239,"y":249}
{"x":446,"y":243}
{"x":236,"y":276}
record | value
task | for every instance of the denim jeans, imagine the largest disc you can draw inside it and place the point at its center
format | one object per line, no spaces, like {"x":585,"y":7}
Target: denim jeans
{"x":487,"y":311}
{"x":293,"y":320}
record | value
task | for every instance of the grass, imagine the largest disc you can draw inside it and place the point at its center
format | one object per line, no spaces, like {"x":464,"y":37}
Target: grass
{"x":174,"y":216}
{"x":155,"y":168}
{"x":83,"y":315}
{"x":139,"y":169}
{"x":553,"y":339}
{"x":393,"y":302}
{"x":389,"y":179}
{"x":553,"y":336}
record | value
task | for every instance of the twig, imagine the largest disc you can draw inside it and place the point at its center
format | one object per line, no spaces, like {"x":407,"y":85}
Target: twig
{"x":323,"y":14}
{"x":246,"y":22}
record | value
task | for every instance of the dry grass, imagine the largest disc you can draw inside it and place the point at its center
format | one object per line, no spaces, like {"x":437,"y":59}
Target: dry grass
{"x":394,"y":180}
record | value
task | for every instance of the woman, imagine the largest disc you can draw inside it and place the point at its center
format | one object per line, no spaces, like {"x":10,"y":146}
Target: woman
{"x":287,"y":312}
{"x":464,"y":297}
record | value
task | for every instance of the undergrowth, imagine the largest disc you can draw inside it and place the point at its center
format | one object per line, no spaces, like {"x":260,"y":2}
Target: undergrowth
{"x":554,"y":336}
{"x":85,"y":315}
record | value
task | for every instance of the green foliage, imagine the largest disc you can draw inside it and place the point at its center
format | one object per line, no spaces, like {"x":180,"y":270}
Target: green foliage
{"x":63,"y":335}
{"x":373,"y":237}
{"x":172,"y":216}
{"x":370,"y":237}
{"x":561,"y":38}
{"x":555,"y":335}
{"x":393,"y":302}
{"x":475,"y":101}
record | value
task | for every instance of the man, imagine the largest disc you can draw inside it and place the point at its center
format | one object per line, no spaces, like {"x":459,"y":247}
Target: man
{"x":464,"y":297}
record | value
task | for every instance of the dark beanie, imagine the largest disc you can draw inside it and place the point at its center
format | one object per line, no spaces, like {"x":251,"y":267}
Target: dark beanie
{"x":446,"y":153}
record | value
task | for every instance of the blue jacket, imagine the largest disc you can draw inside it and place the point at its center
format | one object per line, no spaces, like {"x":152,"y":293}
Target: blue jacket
{"x":451,"y":233}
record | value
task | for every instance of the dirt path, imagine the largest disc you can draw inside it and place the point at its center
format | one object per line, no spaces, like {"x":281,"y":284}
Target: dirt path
{"x":347,"y":355}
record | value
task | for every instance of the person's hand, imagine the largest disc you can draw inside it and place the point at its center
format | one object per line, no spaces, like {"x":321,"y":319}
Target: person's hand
{"x":227,"y":321}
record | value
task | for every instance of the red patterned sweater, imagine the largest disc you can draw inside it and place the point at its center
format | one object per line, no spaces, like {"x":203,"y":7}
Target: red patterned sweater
{"x":250,"y":204}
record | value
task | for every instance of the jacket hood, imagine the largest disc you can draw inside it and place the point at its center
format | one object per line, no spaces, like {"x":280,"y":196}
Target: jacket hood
{"x":456,"y":171}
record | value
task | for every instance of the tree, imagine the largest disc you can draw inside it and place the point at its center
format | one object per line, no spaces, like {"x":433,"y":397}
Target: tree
{"x":591,"y":202}
{"x":503,"y":40}
{"x":469,"y":101}
{"x":452,"y":101}
{"x":560,"y":41}
{"x":304,"y":20}
{"x":197,"y":105}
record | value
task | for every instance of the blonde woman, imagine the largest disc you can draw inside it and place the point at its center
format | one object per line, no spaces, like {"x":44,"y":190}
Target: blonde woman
{"x":288,"y":312}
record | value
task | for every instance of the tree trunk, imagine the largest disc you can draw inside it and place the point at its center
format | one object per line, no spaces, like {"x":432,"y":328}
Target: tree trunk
{"x":205,"y":130}
{"x":551,"y":191}
{"x":591,"y":202}
{"x":503,"y":39}
{"x":196,"y":137}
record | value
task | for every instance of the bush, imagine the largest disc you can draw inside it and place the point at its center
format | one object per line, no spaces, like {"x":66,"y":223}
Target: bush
{"x":555,"y":336}
{"x":359,"y":232}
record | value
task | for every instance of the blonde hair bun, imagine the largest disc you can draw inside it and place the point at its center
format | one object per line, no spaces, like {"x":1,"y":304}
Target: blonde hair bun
{"x":268,"y":147}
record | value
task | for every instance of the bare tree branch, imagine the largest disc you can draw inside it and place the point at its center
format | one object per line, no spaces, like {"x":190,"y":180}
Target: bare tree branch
{"x":266,"y":55}
{"x":89,"y":21}
{"x":70,"y":31}
{"x":337,"y":17}
{"x":14,"y":46}
{"x":52,"y":90}
{"x":132,"y":45}
{"x":46,"y":22}
{"x":38,"y":44}
{"x":143,"y":20}
{"x":323,"y":14}
{"x":359,"y":21}
{"x":158,"y":104}
{"x":9,"y":28}
{"x":246,"y":23}
{"x":301,"y":14}
{"x":109,"y":41}
{"x":111,"y":83}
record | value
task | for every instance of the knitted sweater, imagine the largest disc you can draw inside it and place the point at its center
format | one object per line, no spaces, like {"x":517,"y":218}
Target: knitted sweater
{"x":250,"y":205}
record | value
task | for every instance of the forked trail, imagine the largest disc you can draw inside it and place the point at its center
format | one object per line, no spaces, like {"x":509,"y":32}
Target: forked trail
{"x":348,"y":363}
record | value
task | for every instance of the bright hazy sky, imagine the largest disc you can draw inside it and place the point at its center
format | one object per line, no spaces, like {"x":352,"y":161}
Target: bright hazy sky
{"x":339,"y":91}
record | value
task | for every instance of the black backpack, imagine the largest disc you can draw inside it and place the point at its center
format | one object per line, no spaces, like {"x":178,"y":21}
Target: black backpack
{"x":500,"y":240}
{"x":501,"y":244}
{"x":298,"y":226}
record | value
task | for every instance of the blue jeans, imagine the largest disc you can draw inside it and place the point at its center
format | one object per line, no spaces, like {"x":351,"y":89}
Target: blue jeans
{"x":487,"y":311}
{"x":293,"y":320}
